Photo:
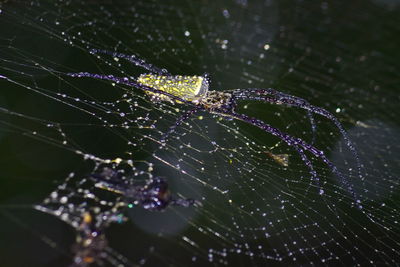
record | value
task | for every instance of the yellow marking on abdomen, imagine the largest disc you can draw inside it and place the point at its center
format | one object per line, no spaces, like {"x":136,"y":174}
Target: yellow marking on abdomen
{"x":186,"y":87}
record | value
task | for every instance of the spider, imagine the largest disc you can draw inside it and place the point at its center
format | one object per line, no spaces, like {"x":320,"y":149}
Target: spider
{"x":194,"y":91}
{"x":153,"y":196}
{"x":90,"y":212}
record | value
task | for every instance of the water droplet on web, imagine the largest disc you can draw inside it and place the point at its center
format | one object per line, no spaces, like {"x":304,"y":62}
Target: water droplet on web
{"x":226,"y":14}
{"x":63,"y":200}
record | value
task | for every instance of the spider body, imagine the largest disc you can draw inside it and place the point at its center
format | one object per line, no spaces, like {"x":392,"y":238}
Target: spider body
{"x":190,"y":88}
{"x":194,"y":91}
{"x":215,"y":100}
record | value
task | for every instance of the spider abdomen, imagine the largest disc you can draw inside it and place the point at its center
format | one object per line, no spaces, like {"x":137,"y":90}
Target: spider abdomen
{"x":188,"y":88}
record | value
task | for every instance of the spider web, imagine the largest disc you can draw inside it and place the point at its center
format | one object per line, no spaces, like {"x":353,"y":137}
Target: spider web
{"x":255,"y":207}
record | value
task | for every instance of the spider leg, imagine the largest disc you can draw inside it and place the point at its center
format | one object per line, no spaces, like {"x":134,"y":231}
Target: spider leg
{"x":298,"y":144}
{"x":266,"y":95}
{"x":133,"y":59}
{"x":179,"y":121}
{"x":276,"y":97}
{"x":308,"y":163}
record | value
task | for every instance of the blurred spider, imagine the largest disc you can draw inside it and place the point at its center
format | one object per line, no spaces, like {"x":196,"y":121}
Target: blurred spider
{"x":154,"y":195}
{"x":84,"y":203}
{"x":194,"y":91}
